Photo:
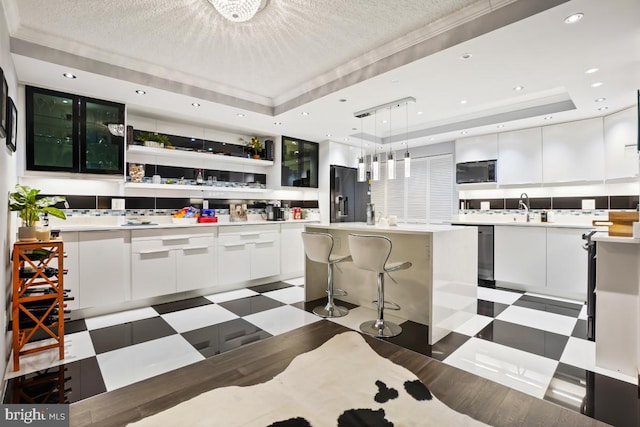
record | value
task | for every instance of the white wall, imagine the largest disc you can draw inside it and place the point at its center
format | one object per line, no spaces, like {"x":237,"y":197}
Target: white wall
{"x":8,"y":179}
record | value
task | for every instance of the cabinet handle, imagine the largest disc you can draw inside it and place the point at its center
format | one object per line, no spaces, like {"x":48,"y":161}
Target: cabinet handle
{"x":263,"y":242}
{"x":248,"y":233}
{"x":231,"y":245}
{"x":194,"y":248}
{"x":156,"y":251}
{"x":171,"y":238}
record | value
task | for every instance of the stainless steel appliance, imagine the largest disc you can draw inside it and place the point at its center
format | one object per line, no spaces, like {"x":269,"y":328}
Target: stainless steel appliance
{"x":590,"y":247}
{"x":472,"y":172}
{"x":275,"y":213}
{"x":348,"y":198}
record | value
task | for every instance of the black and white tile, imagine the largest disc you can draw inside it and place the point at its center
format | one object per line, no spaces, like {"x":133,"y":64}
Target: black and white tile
{"x":531,"y":343}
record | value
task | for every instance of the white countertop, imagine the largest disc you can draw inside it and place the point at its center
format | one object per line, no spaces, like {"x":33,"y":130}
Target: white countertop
{"x":114,"y":227}
{"x":522,"y":223}
{"x":400,"y":228}
{"x":603,"y":236}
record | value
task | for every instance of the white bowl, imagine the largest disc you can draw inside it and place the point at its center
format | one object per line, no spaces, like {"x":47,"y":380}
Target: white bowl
{"x":184,"y":220}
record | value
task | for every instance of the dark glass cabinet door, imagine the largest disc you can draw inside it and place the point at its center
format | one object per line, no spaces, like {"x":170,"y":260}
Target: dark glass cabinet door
{"x":299,"y":163}
{"x":70,"y":133}
{"x":103,"y":152}
{"x":52,"y":131}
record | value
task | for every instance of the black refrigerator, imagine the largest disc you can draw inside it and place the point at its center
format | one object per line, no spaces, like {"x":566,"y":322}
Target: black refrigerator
{"x":348,"y":197}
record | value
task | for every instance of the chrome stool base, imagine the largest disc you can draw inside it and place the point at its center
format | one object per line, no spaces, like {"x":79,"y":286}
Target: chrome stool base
{"x":330,"y":312}
{"x":384,"y":329}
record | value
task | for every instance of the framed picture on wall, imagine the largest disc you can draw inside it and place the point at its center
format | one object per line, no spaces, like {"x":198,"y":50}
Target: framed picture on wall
{"x":12,"y":124}
{"x":4,"y":89}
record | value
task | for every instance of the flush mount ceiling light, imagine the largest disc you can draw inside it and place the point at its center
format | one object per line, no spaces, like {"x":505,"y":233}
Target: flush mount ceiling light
{"x":69,"y":75}
{"x":518,"y":88}
{"x":195,"y":104}
{"x":237,"y":10}
{"x":240,"y":114}
{"x":572,"y":19}
{"x":141,"y":92}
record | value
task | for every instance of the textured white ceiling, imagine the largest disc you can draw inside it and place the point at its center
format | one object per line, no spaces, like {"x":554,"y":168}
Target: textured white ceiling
{"x":288,"y":43}
{"x":320,"y":58}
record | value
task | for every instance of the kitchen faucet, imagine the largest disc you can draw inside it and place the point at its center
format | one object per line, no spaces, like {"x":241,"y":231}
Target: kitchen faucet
{"x":524,"y":205}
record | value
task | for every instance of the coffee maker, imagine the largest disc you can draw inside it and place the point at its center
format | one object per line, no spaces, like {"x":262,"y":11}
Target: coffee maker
{"x":274,"y":213}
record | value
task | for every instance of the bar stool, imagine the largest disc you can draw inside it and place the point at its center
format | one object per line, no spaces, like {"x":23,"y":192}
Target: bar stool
{"x":319,"y":248}
{"x":371,"y":253}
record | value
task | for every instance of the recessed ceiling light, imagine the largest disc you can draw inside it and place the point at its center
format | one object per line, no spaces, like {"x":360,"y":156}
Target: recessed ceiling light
{"x":464,"y":101}
{"x":193,"y":139}
{"x":69,"y":75}
{"x":277,"y":123}
{"x":195,"y":104}
{"x":346,"y":139}
{"x":464,"y":132}
{"x":432,"y":139}
{"x":342,"y":100}
{"x":141,"y":92}
{"x":328,"y":134}
{"x":601,"y":99}
{"x":596,"y":84}
{"x":354,"y":128}
{"x":466,"y":56}
{"x":500,"y":126}
{"x":305,"y":113}
{"x":395,"y":81}
{"x":572,"y":19}
{"x":518,"y":88}
{"x":240,"y":114}
{"x":419,"y":113}
{"x":384,"y":121}
{"x":65,"y":101}
{"x":548,"y":117}
{"x":591,"y":70}
{"x":603,"y":108}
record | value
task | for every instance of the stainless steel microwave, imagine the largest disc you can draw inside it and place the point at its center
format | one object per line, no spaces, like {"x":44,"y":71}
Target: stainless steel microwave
{"x":473,"y":172}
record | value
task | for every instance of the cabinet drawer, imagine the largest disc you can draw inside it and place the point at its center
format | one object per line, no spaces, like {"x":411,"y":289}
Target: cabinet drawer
{"x":167,"y":243}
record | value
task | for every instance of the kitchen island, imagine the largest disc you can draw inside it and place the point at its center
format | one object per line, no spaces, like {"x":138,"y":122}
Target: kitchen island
{"x":439,"y":290}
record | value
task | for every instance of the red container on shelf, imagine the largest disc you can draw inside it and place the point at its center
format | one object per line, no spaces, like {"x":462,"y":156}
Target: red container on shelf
{"x":206,"y":219}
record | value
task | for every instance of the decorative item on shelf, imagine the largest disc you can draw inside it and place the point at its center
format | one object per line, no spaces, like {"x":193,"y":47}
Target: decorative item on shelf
{"x":255,"y":145}
{"x":155,"y":140}
{"x":187,"y":215}
{"x":24,"y":199}
{"x":238,"y":212}
{"x":136,"y":172}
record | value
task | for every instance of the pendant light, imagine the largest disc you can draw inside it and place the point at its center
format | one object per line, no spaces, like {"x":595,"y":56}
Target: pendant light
{"x":362,"y":170}
{"x":391,"y":163}
{"x":407,"y":156}
{"x":375,"y":164}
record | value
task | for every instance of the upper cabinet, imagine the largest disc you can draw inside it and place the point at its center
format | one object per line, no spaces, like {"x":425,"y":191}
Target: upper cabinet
{"x":620,"y":144}
{"x":476,"y":148}
{"x":299,"y":163}
{"x":71,"y":133}
{"x":573,"y":152}
{"x":520,"y":157}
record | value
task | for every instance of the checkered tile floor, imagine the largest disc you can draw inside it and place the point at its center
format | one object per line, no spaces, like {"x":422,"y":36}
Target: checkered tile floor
{"x":528,"y":342}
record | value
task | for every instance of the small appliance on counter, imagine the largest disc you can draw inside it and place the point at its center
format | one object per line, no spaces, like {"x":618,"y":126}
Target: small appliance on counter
{"x":275,"y":213}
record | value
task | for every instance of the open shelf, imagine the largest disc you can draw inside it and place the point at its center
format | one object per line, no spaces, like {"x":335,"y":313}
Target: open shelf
{"x":172,"y":154}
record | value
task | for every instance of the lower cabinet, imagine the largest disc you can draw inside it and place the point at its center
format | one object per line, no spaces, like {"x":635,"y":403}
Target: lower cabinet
{"x":170,"y":261}
{"x":104,"y":267}
{"x":292,"y":250}
{"x":247,"y":253}
{"x":543,"y":259}
{"x":520,"y":255}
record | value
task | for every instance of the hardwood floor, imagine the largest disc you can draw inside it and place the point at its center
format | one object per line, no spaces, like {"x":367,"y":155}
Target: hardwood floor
{"x":482,"y":399}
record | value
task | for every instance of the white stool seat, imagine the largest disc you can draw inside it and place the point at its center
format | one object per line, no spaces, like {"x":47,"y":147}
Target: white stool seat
{"x":319,"y":248}
{"x":372,"y":253}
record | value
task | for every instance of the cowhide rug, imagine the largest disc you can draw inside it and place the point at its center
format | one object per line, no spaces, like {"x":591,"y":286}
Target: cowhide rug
{"x":342,"y":383}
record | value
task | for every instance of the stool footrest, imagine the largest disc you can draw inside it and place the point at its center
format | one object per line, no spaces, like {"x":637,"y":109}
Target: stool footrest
{"x":339,"y":293}
{"x":392,"y":305}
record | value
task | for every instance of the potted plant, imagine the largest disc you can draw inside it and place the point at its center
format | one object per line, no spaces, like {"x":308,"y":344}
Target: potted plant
{"x":24,"y":200}
{"x":154,"y":140}
{"x":255,"y":145}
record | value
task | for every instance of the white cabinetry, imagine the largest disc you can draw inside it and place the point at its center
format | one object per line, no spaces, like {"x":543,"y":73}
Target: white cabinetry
{"x":520,"y":157}
{"x":520,"y":255}
{"x":573,"y":152}
{"x":104,"y":267}
{"x":566,"y":261}
{"x":476,"y":148}
{"x":292,"y":249}
{"x":620,"y":144}
{"x":248,"y":252}
{"x":169,"y":261}
{"x":72,"y":278}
